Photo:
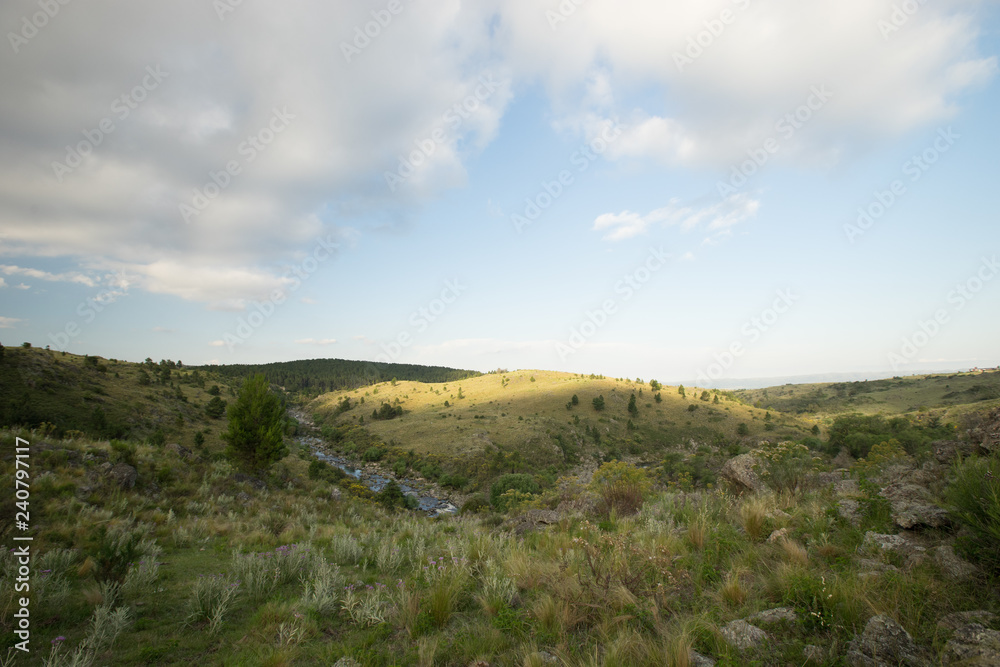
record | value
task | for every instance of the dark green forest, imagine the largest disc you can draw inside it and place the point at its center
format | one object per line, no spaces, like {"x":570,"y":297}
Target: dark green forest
{"x":317,"y":376}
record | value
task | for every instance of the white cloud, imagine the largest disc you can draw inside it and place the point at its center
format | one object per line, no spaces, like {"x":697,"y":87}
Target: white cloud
{"x":717,"y":218}
{"x":3,"y":283}
{"x":314,"y":341}
{"x":8,"y":322}
{"x":70,"y":277}
{"x":218,"y":343}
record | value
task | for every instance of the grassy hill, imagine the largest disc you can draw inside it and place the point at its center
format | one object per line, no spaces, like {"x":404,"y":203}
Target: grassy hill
{"x":190,"y":562}
{"x":948,"y":396}
{"x":527,"y":419}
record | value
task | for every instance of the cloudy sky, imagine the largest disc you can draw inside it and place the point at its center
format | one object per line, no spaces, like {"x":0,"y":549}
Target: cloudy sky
{"x":721,"y":189}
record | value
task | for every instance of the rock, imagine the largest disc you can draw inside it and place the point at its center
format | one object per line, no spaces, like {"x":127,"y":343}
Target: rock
{"x":775,"y":615}
{"x":951,"y":565}
{"x":696,"y":659}
{"x":897,"y":544}
{"x":182,"y":452}
{"x":946,"y":451}
{"x":813,"y":654}
{"x":243,"y":497}
{"x":336,"y":493}
{"x":778,"y":535}
{"x":123,"y":475}
{"x":875,"y":566}
{"x":847,"y":487}
{"x":959,"y":618}
{"x":987,"y":433}
{"x":912,"y":506}
{"x":973,"y":644}
{"x":739,"y":472}
{"x":884,"y":643}
{"x":742,"y":635}
{"x":347,"y":662}
{"x":850,"y":510}
{"x":547,"y":658}
{"x":547,"y":517}
{"x":777,"y":514}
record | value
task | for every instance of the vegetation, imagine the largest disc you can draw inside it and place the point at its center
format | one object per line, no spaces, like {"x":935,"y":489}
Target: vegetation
{"x":256,"y":423}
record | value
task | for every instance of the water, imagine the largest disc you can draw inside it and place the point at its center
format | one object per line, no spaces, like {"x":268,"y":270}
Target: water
{"x":375,"y":481}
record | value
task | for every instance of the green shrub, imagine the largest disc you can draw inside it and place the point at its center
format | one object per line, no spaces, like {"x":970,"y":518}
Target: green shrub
{"x":373,"y":454}
{"x":511,"y":481}
{"x":477,"y":503}
{"x":974,"y":497}
{"x":123,"y":452}
{"x":622,"y":486}
{"x":785,"y":466}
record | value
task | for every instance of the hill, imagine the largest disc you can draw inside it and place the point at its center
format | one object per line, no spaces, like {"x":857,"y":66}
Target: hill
{"x":948,"y":396}
{"x":309,"y":377}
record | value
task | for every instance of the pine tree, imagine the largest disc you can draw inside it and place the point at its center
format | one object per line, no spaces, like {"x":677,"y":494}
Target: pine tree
{"x":253,"y":438}
{"x":633,"y":409}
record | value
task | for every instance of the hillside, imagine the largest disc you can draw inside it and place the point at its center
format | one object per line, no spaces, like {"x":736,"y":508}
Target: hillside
{"x":309,"y":377}
{"x":527,"y":420}
{"x":947,"y":396}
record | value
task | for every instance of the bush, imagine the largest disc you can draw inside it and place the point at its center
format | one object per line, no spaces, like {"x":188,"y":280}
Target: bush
{"x":785,"y":466}
{"x":123,"y":452}
{"x":511,"y":481}
{"x":622,"y":486}
{"x":326,"y":472}
{"x":598,"y":403}
{"x":477,"y":503}
{"x":373,"y":454}
{"x":974,"y":497}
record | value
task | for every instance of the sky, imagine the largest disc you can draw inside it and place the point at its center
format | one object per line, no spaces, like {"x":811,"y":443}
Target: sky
{"x":690,"y":191}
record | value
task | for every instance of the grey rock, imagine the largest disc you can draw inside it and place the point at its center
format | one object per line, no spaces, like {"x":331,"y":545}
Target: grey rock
{"x":884,"y":643}
{"x":775,"y":615}
{"x":973,"y":644}
{"x":742,"y":635}
{"x":952,"y":565}
{"x":547,"y":517}
{"x":347,"y":662}
{"x":182,"y":452}
{"x":547,"y":658}
{"x":739,"y":472}
{"x":957,"y":619}
{"x":872,"y":566}
{"x":945,"y":451}
{"x":336,"y":493}
{"x":912,"y":506}
{"x":847,"y":487}
{"x":696,"y":659}
{"x":813,"y":654}
{"x":123,"y":475}
{"x":875,"y":543}
{"x":850,"y":510}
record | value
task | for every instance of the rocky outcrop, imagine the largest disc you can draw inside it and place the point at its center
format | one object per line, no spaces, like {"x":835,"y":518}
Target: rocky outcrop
{"x":122,"y":475}
{"x":772,"y":616}
{"x":740,"y":474}
{"x":954,"y":621}
{"x":973,"y":645}
{"x":742,"y":635}
{"x":912,"y":506}
{"x":180,"y":451}
{"x":952,"y":566}
{"x":986,"y":434}
{"x":946,"y":451}
{"x":884,"y":643}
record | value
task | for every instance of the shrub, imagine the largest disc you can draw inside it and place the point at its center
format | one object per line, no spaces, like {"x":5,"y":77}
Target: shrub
{"x":373,"y":454}
{"x":511,"y":481}
{"x":622,"y":486}
{"x":211,"y":598}
{"x":123,"y":452}
{"x":785,"y":466}
{"x":477,"y":503}
{"x":598,"y":403}
{"x":117,"y":549}
{"x":974,"y":497}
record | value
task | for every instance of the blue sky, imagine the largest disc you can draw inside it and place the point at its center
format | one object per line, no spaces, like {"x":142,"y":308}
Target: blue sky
{"x":640,"y":265}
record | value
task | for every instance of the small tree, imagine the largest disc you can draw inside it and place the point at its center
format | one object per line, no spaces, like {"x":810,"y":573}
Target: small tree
{"x":575,"y":400}
{"x":599,"y":403}
{"x":680,"y":390}
{"x":654,"y":385}
{"x":633,"y":409}
{"x":254,"y":436}
{"x":704,"y":396}
{"x":742,"y":429}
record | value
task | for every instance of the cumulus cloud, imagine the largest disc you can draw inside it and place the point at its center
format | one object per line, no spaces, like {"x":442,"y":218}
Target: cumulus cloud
{"x":219,"y":85}
{"x":8,"y":322}
{"x":70,"y":277}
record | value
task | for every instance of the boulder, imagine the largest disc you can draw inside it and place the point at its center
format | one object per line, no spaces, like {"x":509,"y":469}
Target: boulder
{"x":739,"y":472}
{"x":347,"y":662}
{"x":547,"y":517}
{"x":778,"y":535}
{"x":123,"y":475}
{"x":776,"y":615}
{"x":973,"y":644}
{"x":813,"y":654}
{"x":912,"y":506}
{"x":884,"y":643}
{"x":946,"y":451}
{"x":952,"y":565}
{"x":742,"y":635}
{"x":696,"y":659}
{"x":957,"y":619}
{"x":850,"y":510}
{"x":875,"y":543}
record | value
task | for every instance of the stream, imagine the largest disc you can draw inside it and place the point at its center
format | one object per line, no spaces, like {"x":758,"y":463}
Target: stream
{"x":375,"y":481}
